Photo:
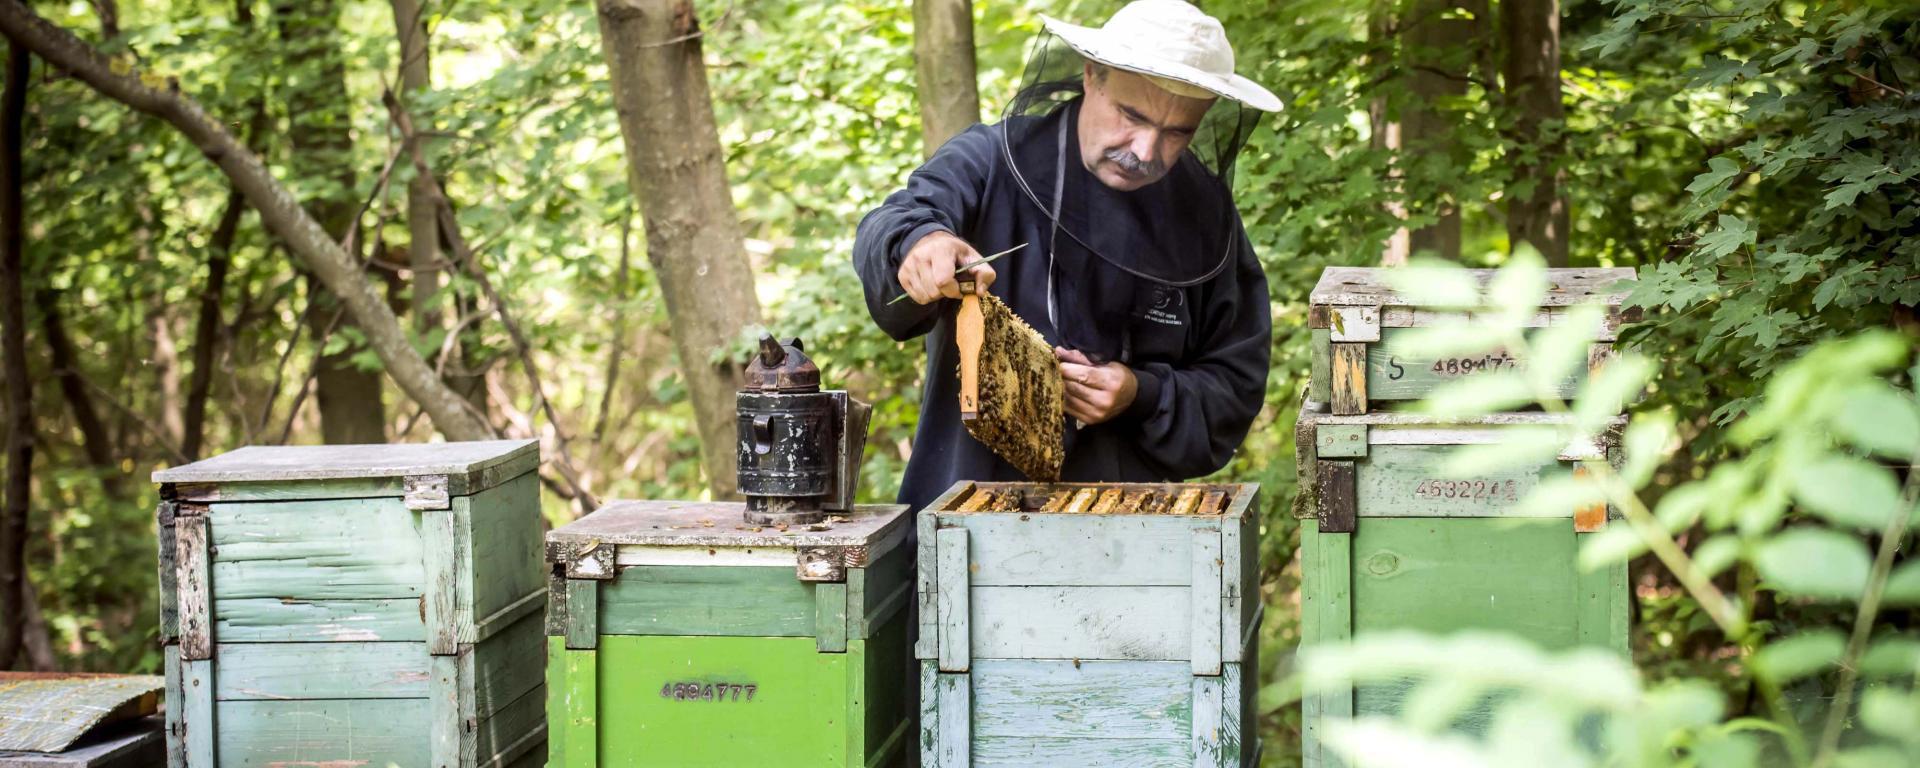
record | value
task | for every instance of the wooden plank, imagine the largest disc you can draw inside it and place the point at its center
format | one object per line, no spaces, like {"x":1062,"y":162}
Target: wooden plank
{"x":955,"y":599}
{"x":1052,"y":698}
{"x":276,"y":464}
{"x":1204,"y":613}
{"x":517,"y":729}
{"x":830,"y":617}
{"x":136,"y":744}
{"x":509,"y":616}
{"x":1320,"y":367}
{"x":1326,"y":618}
{"x":446,"y":689}
{"x":349,"y":670}
{"x":1405,"y":481}
{"x":500,"y":537}
{"x":291,"y":490}
{"x":1125,"y":623}
{"x":1235,"y":587}
{"x":1447,"y":575}
{"x":956,"y":720}
{"x":272,"y":620}
{"x":718,"y":600}
{"x":926,"y":643}
{"x":1354,"y":324}
{"x":662,"y":554}
{"x":930,"y":713}
{"x":579,"y":710}
{"x":1602,"y":610}
{"x":1033,"y":751}
{"x":1336,"y":495}
{"x":1341,"y":441}
{"x":583,"y":614}
{"x":441,"y":601}
{"x":1591,"y":517}
{"x":340,"y":549}
{"x":164,"y":517}
{"x":1349,"y":378}
{"x":1021,"y":550}
{"x":326,"y":732}
{"x":884,"y":588}
{"x":176,"y":704}
{"x":1234,"y":713}
{"x":198,"y":720}
{"x":499,"y":672}
{"x":196,"y":588}
{"x":1208,"y":717}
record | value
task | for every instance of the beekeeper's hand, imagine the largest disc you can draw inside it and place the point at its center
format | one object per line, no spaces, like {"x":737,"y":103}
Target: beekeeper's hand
{"x":1095,"y":393}
{"x":927,"y":272}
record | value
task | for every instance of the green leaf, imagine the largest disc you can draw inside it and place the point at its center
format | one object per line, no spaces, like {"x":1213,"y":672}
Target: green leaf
{"x":1732,"y":234}
{"x":1803,"y":654}
{"x":1437,"y":284}
{"x":1878,"y":418}
{"x":1715,"y":554}
{"x":1815,"y":562}
{"x":1519,"y":446}
{"x":1481,"y":394}
{"x":1892,"y":713}
{"x":1848,"y":491}
{"x":1891,"y":657}
{"x":1719,"y":171}
{"x":1517,"y":289}
{"x":1903,"y":585}
{"x":1447,"y":338}
{"x":1556,"y":353}
{"x":1610,"y":545}
{"x":1605,"y":396}
{"x":1647,"y":442}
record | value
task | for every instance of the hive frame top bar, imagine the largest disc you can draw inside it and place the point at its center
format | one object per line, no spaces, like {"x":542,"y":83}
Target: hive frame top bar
{"x":256,"y":463}
{"x":718,"y":524}
{"x":1368,"y":287}
{"x":1239,"y":496}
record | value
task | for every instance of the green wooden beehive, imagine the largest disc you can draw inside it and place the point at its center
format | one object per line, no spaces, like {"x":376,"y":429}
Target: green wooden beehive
{"x":1388,"y":542}
{"x":1355,"y":316}
{"x":354,"y":605}
{"x":681,"y":636}
{"x":1111,"y":624}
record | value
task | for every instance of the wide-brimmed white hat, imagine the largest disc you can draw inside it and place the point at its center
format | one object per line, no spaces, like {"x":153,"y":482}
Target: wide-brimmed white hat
{"x":1171,"y":40}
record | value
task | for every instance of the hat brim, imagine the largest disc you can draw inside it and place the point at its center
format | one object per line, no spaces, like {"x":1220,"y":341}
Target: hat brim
{"x":1096,"y":45}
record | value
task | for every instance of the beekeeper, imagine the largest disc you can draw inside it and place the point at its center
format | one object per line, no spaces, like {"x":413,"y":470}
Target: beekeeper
{"x":1114,"y":163}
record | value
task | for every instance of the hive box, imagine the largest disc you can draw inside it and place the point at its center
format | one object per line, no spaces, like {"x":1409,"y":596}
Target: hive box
{"x":1390,"y":542}
{"x":681,"y":636}
{"x":1076,"y":638}
{"x":1355,"y":316}
{"x":353,"y":605}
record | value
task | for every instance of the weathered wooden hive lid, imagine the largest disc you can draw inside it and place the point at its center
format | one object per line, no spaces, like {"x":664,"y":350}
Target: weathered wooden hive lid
{"x":719,"y":524}
{"x":470,"y":466}
{"x":1368,"y":286}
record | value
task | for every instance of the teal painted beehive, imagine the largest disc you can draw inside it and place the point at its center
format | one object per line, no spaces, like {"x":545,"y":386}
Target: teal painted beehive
{"x":1111,"y":624}
{"x":1390,"y":542}
{"x":354,"y":605}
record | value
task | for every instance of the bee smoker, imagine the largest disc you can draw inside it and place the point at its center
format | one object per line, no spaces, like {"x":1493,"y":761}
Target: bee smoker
{"x":799,"y":448}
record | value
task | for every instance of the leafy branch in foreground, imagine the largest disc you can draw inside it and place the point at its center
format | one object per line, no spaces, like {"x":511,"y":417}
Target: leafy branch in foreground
{"x":1796,"y":513}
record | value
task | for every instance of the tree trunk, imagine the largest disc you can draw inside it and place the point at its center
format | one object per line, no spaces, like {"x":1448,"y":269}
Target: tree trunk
{"x":1439,"y":66}
{"x":279,"y":211}
{"x":319,"y":117}
{"x":206,"y":329}
{"x":14,"y":503}
{"x":943,"y":62}
{"x":1536,"y":210}
{"x":94,"y":438}
{"x":1384,"y":130}
{"x":423,"y":244}
{"x":693,"y":238}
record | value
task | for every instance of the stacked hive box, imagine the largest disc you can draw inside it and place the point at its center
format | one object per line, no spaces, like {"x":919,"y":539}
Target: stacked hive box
{"x":353,"y":605}
{"x":1390,"y":542}
{"x":680,"y":636}
{"x":1088,"y":625}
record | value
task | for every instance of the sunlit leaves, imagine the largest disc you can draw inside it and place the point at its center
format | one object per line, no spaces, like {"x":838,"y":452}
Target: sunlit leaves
{"x":1815,"y":562}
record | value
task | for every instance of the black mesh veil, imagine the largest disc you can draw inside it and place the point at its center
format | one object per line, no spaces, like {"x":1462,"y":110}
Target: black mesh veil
{"x":1179,"y":231}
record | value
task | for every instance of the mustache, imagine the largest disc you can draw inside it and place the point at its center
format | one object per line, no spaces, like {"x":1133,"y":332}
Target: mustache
{"x":1132,"y":163}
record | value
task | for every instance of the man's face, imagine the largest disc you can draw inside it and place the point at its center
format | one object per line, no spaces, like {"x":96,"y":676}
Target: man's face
{"x":1131,"y":130}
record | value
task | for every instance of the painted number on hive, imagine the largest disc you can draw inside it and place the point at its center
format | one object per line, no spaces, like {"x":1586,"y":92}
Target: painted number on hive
{"x":708,"y":691}
{"x":1468,"y":490}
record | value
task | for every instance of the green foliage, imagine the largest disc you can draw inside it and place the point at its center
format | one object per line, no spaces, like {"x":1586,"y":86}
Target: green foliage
{"x":1801,"y":511}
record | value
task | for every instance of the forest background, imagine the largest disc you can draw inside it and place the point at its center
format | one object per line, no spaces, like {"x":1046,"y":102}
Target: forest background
{"x":468,"y":171}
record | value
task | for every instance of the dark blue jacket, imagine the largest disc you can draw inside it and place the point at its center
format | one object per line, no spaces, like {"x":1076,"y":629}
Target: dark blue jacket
{"x":1200,"y":353}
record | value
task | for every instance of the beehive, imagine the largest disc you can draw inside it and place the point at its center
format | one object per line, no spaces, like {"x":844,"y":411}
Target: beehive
{"x":354,"y":605}
{"x":1355,"y":316}
{"x":1122,"y":632}
{"x":681,"y":636}
{"x":1389,"y":542}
